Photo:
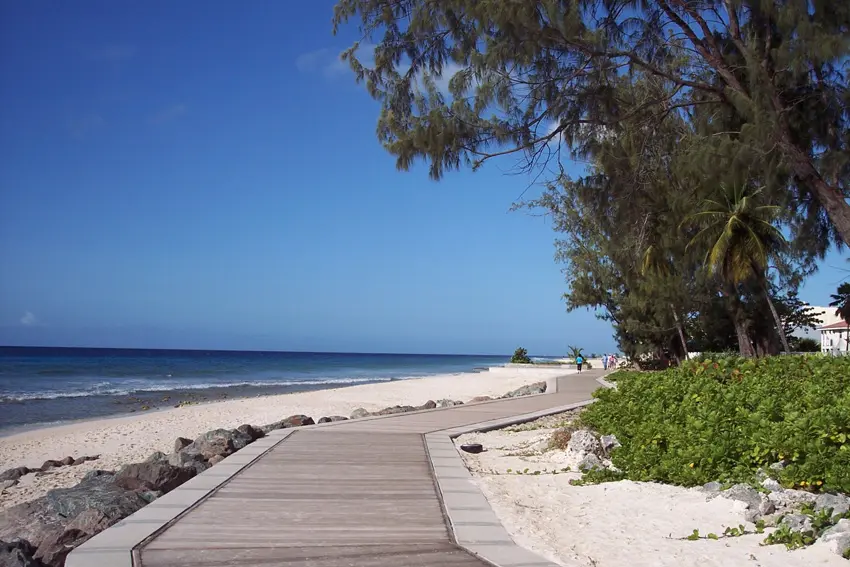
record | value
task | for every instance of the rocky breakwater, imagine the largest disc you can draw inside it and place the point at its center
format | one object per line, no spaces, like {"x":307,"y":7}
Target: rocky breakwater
{"x":42,"y":532}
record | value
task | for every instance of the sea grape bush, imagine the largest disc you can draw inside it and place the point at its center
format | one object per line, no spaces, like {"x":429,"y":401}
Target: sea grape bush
{"x":726,"y":419}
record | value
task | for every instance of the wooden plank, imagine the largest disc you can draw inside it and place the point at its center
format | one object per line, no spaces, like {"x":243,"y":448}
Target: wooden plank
{"x":353,"y":556}
{"x":357,"y":494}
{"x":320,"y":489}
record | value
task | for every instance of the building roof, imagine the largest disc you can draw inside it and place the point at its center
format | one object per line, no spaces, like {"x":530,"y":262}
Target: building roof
{"x":839,"y":325}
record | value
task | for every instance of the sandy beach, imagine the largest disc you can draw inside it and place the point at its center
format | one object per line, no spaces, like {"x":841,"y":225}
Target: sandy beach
{"x":617,"y":523}
{"x":133,"y":438}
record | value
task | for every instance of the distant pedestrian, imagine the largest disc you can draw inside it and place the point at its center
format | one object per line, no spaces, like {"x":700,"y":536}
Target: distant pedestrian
{"x":605,"y":361}
{"x":579,"y":362}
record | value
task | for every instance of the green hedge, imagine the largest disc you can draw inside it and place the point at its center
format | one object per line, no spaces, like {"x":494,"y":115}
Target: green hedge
{"x":724,"y":420}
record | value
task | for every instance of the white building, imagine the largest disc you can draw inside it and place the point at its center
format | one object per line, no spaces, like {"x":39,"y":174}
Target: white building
{"x":835,"y":338}
{"x":827,"y":317}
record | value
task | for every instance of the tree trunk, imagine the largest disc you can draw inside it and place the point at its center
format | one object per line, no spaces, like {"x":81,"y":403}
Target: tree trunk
{"x":829,"y":196}
{"x":681,"y":331}
{"x":779,"y":328}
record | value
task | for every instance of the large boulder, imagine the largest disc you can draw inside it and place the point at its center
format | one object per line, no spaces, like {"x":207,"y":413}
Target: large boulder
{"x":181,"y":443}
{"x":332,"y":418}
{"x":528,"y":390}
{"x":478,"y":399}
{"x":360,"y":412}
{"x":791,"y":499}
{"x":84,"y":459}
{"x":584,"y":442}
{"x":18,"y":553}
{"x":15,"y":473}
{"x":446,"y":403}
{"x":393,"y":410}
{"x":222,"y":442}
{"x":291,"y":421}
{"x":158,"y":476}
{"x":55,"y":523}
{"x":251,"y":432}
{"x":430,"y":404}
{"x":839,"y":504}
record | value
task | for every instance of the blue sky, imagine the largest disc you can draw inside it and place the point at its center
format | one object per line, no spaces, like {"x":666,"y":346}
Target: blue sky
{"x":180,"y":176}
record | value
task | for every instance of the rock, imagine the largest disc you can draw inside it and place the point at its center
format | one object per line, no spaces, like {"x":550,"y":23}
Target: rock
{"x":393,"y":410}
{"x":215,"y":459}
{"x":152,"y":476}
{"x":771,"y":485}
{"x":530,"y":389}
{"x":837,"y":538}
{"x":150,"y":495}
{"x":609,"y":443}
{"x":332,"y":418}
{"x":251,"y":432}
{"x":797,"y":522}
{"x":777,"y":466}
{"x":583,"y":442}
{"x":15,"y":473}
{"x":50,"y":464}
{"x":746,"y":494}
{"x":181,"y":443}
{"x":477,"y":399}
{"x":791,"y":498}
{"x":430,"y":404}
{"x":67,"y":461}
{"x":712,"y":486}
{"x":766,"y":507}
{"x":222,"y":442}
{"x":840,"y":504}
{"x":185,"y":458}
{"x":291,"y":421}
{"x":448,"y":403}
{"x":359,"y":412}
{"x":43,"y":521}
{"x":18,"y":553}
{"x":156,"y":456}
{"x":590,"y":463}
{"x":84,"y":459}
{"x":58,"y":544}
{"x":4,"y":484}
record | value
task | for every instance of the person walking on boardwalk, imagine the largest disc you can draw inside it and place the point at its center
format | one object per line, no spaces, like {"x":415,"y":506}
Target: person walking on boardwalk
{"x":579,"y":362}
{"x":605,"y":361}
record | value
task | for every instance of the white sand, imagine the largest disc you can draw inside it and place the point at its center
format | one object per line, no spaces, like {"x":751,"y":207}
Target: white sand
{"x":133,"y":438}
{"x":614,"y":524}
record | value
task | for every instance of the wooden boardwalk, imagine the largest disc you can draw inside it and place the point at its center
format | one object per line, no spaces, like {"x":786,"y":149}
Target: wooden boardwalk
{"x":359,"y":493}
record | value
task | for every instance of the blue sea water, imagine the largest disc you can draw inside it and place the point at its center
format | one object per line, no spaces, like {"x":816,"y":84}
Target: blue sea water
{"x":49,"y":385}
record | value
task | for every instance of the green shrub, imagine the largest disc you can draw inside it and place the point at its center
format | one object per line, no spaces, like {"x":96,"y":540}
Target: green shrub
{"x":724,"y":420}
{"x":520,"y":356}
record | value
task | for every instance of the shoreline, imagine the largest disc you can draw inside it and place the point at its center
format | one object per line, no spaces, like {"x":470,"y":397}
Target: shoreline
{"x":131,"y":438}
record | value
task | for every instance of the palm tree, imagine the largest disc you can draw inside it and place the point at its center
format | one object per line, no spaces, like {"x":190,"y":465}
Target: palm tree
{"x":575,"y":352}
{"x":741,"y":238}
{"x":841,"y":302}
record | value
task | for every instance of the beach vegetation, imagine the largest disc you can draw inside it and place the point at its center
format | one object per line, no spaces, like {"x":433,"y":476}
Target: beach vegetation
{"x":841,"y":302}
{"x":730,"y":420}
{"x":520,"y":356}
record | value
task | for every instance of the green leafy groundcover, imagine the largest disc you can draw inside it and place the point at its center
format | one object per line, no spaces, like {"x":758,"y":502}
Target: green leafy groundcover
{"x":724,"y":420}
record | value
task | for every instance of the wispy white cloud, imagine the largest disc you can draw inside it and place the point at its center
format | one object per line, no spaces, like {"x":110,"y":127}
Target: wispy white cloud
{"x":114,"y":53}
{"x":169,"y":113}
{"x":29,"y":320}
{"x":80,"y":127}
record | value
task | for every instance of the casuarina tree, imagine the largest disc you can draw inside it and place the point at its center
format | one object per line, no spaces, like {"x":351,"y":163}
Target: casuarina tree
{"x":463,"y":81}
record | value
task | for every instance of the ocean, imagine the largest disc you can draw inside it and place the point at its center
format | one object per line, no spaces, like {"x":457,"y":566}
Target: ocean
{"x":44,"y":386}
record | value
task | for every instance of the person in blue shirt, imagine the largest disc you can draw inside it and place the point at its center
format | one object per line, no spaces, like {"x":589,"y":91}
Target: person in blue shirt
{"x":579,"y":362}
{"x":605,"y":361}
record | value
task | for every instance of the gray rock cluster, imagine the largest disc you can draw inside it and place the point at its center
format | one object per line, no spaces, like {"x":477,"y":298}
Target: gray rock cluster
{"x":42,"y":532}
{"x":782,"y":507}
{"x":591,"y":452}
